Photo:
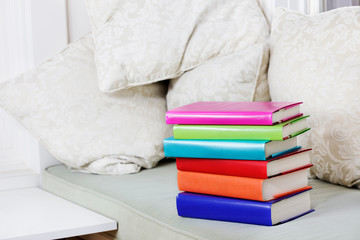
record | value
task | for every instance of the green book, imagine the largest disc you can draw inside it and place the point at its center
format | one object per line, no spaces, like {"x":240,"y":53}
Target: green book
{"x":281,"y":131}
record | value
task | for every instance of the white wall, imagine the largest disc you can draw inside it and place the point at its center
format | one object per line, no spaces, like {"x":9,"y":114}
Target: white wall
{"x":49,"y":28}
{"x":78,"y":21}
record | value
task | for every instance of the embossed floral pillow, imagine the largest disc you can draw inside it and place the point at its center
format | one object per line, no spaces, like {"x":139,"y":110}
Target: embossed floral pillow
{"x":61,"y":104}
{"x":316,"y":59}
{"x":145,"y":41}
{"x":240,"y":76}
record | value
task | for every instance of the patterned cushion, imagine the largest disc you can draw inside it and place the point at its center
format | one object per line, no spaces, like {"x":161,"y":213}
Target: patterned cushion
{"x":315,"y":59}
{"x":60,"y":103}
{"x":144,"y":41}
{"x":240,"y":76}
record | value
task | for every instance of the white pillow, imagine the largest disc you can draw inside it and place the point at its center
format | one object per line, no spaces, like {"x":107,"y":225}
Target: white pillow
{"x":240,"y":76}
{"x":145,"y":41}
{"x":60,"y":103}
{"x":315,"y":59}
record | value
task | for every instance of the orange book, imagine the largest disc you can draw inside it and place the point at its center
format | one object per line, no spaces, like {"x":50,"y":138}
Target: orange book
{"x":243,"y":187}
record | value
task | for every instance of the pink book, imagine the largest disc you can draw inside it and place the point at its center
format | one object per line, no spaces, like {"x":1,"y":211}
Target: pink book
{"x":234,"y":113}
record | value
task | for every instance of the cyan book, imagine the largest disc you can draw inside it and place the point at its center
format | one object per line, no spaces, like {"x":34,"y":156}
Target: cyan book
{"x":228,"y":149}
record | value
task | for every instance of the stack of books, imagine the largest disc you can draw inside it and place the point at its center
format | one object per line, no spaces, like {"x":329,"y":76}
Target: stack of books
{"x":240,"y":161}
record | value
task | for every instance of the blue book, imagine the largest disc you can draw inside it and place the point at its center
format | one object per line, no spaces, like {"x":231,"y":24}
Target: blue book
{"x":269,"y":213}
{"x":228,"y":149}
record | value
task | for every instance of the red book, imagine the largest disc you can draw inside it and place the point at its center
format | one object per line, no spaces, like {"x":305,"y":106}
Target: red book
{"x":248,"y":168}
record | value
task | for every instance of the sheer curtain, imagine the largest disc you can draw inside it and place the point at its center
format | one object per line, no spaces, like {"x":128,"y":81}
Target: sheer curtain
{"x":15,"y":41}
{"x":305,"y":6}
{"x":30,"y":32}
{"x":17,"y":146}
{"x":332,"y":4}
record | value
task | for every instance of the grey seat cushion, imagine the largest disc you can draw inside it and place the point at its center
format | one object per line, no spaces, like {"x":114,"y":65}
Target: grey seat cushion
{"x":144,"y":206}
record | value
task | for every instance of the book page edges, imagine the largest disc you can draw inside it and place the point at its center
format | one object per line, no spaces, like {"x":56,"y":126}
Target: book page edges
{"x":293,"y":218}
{"x":291,"y":192}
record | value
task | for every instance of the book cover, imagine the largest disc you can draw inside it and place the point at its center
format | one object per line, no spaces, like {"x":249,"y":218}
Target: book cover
{"x":234,"y":113}
{"x":243,"y":211}
{"x":228,"y":149}
{"x":243,"y":187}
{"x":248,"y":168}
{"x":287,"y":129}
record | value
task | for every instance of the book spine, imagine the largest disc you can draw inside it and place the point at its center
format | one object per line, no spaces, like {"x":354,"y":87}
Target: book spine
{"x":231,"y":132}
{"x":242,"y":168}
{"x":222,"y":149}
{"x":221,"y":185}
{"x":223,"y":209}
{"x":254,"y":118}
